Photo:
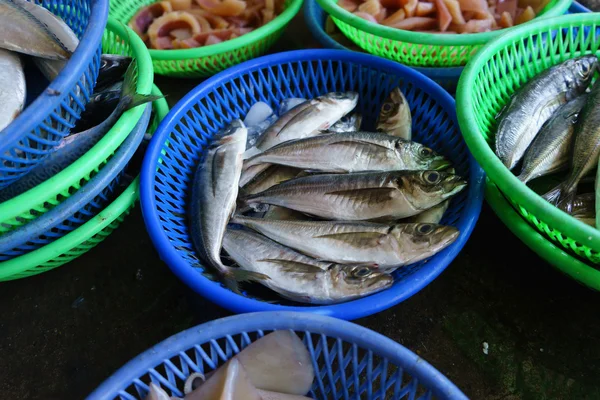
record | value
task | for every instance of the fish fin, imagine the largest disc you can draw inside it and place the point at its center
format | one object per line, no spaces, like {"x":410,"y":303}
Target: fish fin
{"x":129,"y":97}
{"x":362,"y":239}
{"x":293,"y":266}
{"x":378,"y":195}
{"x":554,"y":195}
{"x":566,"y":202}
{"x":235,"y":275}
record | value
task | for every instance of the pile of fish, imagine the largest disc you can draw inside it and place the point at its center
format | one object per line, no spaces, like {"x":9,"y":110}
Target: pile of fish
{"x":275,"y":367}
{"x":320,"y":211}
{"x":186,"y":24}
{"x":552,"y":125}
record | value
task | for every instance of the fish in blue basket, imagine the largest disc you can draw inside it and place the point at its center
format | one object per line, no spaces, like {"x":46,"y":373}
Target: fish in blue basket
{"x":433,"y":215}
{"x":348,"y":123}
{"x":31,"y":29}
{"x":535,"y":102}
{"x":362,"y":196}
{"x":384,"y":246}
{"x":271,"y":176}
{"x":214,"y":192}
{"x":551,"y":149}
{"x":12,"y":82}
{"x":74,"y":146}
{"x":298,"y":277}
{"x":306,"y":119}
{"x":351,"y":152}
{"x":395,"y":118}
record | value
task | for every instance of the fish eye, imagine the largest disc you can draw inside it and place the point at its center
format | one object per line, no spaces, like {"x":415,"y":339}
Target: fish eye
{"x":425,"y":228}
{"x":432,"y":176}
{"x":426,"y":152}
{"x":362,"y":272}
{"x":387,"y":107}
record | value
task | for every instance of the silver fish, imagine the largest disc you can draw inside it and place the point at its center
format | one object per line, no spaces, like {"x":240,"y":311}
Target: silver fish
{"x":384,"y":246}
{"x":306,"y":119}
{"x":298,"y":277}
{"x":584,"y":208}
{"x":362,"y":196}
{"x":432,"y":216}
{"x":550,"y":151}
{"x":535,"y":102}
{"x":586,"y":150}
{"x":12,"y":82}
{"x":395,"y":117}
{"x":284,"y":214}
{"x":351,"y":152}
{"x":214,"y":192}
{"x":30,"y":29}
{"x":348,"y":123}
{"x":74,"y":146}
{"x":271,"y":176}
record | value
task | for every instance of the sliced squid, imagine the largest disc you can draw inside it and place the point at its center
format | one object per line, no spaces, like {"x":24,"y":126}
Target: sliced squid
{"x":161,"y":30}
{"x":225,"y":8}
{"x":144,"y":18}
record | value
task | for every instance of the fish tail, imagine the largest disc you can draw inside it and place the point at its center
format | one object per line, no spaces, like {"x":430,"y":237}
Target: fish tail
{"x":236,"y":275}
{"x":554,"y":195}
{"x":566,"y":202}
{"x":129,"y":97}
{"x":524,"y":177}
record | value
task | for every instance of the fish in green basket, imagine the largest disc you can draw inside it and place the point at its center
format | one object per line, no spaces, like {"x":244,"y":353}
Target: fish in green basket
{"x":12,"y":82}
{"x":214,"y":191}
{"x":362,"y":196}
{"x":298,"y":277}
{"x":551,"y":149}
{"x":74,"y":146}
{"x":31,"y":29}
{"x":535,"y":102}
{"x":385,"y":246}
{"x":586,"y":150}
{"x":306,"y":119}
{"x":395,"y":117}
{"x":351,"y":152}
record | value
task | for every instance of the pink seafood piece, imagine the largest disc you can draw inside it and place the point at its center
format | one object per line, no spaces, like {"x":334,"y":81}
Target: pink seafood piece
{"x":509,"y":6}
{"x":143,"y":19}
{"x":473,"y":26}
{"x":177,"y":21}
{"x":414,"y":23}
{"x":478,"y":6}
{"x":366,"y":16}
{"x":223,"y":34}
{"x":348,"y":5}
{"x":225,"y":8}
{"x":214,"y":21}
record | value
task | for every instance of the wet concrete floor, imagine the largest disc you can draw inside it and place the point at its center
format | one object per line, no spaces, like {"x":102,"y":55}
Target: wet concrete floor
{"x":63,"y":332}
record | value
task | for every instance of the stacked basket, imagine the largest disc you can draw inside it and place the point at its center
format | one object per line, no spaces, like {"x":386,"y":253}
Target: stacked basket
{"x":486,"y":85}
{"x":66,"y":215}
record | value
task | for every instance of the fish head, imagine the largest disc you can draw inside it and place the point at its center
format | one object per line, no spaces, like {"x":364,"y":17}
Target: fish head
{"x":345,"y":100}
{"x":584,"y":67}
{"x":424,"y":189}
{"x":420,"y":157}
{"x":359,"y":280}
{"x":419,"y":241}
{"x":235,"y":133}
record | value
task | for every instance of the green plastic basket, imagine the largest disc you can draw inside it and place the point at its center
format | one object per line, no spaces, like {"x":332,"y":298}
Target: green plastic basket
{"x":88,"y":235}
{"x":554,"y":255}
{"x":117,"y":39}
{"x":417,"y":48}
{"x":484,"y":88}
{"x":209,"y":60}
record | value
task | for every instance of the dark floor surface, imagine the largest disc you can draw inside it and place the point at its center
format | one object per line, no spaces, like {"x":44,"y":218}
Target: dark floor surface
{"x":63,"y":332}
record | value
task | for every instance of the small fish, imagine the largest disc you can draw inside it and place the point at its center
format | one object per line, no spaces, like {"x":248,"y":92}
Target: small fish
{"x":584,"y":208}
{"x":214,"y":192}
{"x":287,"y":104}
{"x":112,"y":70}
{"x":384,"y":246}
{"x":306,"y":119}
{"x":351,"y":152}
{"x":298,"y":277}
{"x":432,"y":216}
{"x":362,"y":196}
{"x":535,"y":102}
{"x":12,"y":82}
{"x":74,"y":146}
{"x":586,"y":150}
{"x":271,"y":176}
{"x":348,"y":123}
{"x":284,"y":214}
{"x":30,"y":29}
{"x":395,"y":117}
{"x":550,"y":151}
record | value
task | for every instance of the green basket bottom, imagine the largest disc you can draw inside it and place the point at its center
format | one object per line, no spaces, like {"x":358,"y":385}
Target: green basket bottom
{"x":75,"y":243}
{"x":412,"y":54}
{"x":563,"y":261}
{"x":204,"y":67}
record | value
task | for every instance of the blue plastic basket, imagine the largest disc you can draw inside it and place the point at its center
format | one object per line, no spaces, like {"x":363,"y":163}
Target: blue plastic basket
{"x":79,"y":208}
{"x":183,"y":135}
{"x":315,"y":18}
{"x":578,"y":8}
{"x":48,"y":118}
{"x":374,"y":366}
